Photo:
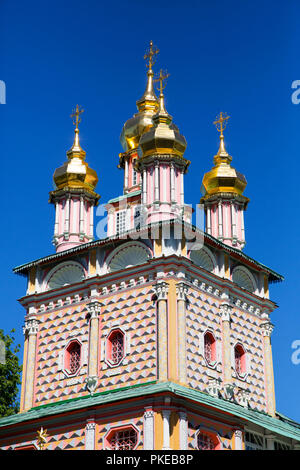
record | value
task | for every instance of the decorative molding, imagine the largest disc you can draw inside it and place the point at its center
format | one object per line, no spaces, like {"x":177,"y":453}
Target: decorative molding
{"x":214,"y":387}
{"x":181,"y":290}
{"x":94,"y":308}
{"x":161,"y":290}
{"x":31,"y":326}
{"x":91,"y":384}
{"x":267,"y":328}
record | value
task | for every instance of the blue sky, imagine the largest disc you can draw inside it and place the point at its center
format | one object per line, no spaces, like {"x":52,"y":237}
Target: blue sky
{"x":236,"y":56}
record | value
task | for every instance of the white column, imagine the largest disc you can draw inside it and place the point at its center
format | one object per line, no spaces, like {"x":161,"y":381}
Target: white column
{"x":126,"y":174}
{"x":233,"y":219}
{"x":81,"y":216}
{"x":270,"y":442}
{"x":56,"y":218}
{"x":166,"y":429}
{"x":242,"y":224}
{"x":220,"y":219}
{"x":90,"y":436}
{"x":208,"y":219}
{"x":156,"y":183}
{"x":238,"y":439}
{"x":172,"y":183}
{"x":144,"y":187}
{"x":183,"y":430}
{"x":91,"y":220}
{"x":149,"y":430}
{"x":181,"y":188}
{"x":67,"y":215}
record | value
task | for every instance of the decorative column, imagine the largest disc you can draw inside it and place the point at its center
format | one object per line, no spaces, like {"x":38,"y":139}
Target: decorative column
{"x":148,"y":429}
{"x":267,"y":328}
{"x":183,"y":430}
{"x":94,"y":310}
{"x":90,"y":435}
{"x":270,"y":442}
{"x":225,"y":311}
{"x":162,"y":324}
{"x":166,"y":429}
{"x":30,"y":331}
{"x":238,"y":439}
{"x":181,"y":291}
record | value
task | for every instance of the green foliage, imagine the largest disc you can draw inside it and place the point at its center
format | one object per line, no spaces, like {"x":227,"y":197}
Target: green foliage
{"x":10,"y":373}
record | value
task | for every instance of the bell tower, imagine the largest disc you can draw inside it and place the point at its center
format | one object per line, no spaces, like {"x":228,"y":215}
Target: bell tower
{"x":74,"y":197}
{"x":223,"y":199}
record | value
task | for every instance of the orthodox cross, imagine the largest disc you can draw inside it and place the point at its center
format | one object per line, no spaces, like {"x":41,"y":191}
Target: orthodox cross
{"x":162,"y":76}
{"x":151,"y":55}
{"x":42,"y":435}
{"x":76,"y":115}
{"x":221,"y":122}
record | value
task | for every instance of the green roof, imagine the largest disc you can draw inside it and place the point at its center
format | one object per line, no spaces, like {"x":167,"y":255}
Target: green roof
{"x":287,"y":428}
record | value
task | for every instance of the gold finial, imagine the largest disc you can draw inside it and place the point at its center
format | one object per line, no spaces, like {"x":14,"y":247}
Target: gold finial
{"x":221,"y":124}
{"x":150,"y":54}
{"x":76,"y":115}
{"x":42,"y":435}
{"x":76,"y":120}
{"x":161,"y":77}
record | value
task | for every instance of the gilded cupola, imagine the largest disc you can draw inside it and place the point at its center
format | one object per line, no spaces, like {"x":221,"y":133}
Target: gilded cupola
{"x":75,"y":172}
{"x":147,"y":106}
{"x":222,"y":178}
{"x":164,"y":137}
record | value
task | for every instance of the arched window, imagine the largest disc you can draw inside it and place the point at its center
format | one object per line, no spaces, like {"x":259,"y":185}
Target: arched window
{"x":73,"y":357}
{"x":209,"y":348}
{"x":116,"y":347}
{"x":122,"y":439}
{"x":205,"y":442}
{"x":240,"y":360}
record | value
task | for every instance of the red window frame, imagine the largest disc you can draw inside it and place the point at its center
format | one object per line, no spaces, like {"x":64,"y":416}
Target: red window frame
{"x":73,"y":357}
{"x":207,"y":441}
{"x":210,"y":348}
{"x":116,"y":347}
{"x":240,"y":360}
{"x":123,"y":438}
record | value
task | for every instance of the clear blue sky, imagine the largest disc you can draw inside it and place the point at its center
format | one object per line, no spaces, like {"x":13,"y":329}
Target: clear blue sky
{"x":235,"y":56}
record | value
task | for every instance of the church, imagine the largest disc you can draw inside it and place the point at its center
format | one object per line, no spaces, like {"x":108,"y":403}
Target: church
{"x":156,"y":336}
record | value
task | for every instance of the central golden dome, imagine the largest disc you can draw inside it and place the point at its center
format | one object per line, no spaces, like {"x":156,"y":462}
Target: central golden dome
{"x":141,"y":122}
{"x":147,"y":106}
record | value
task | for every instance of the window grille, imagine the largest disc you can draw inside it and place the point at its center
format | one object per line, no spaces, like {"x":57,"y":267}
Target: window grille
{"x":205,"y":442}
{"x":124,"y":439}
{"x":74,"y":358}
{"x":121,"y":221}
{"x":253,"y":441}
{"x":208,"y":348}
{"x":117,"y":347}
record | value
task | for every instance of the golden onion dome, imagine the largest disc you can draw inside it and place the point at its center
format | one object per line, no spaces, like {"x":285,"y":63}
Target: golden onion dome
{"x":164,"y":137}
{"x":75,"y":172}
{"x":141,"y":122}
{"x":223,"y":178}
{"x":147,"y":106}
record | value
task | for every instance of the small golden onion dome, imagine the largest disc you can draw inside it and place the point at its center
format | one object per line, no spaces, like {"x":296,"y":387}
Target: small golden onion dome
{"x":141,"y":122}
{"x":75,"y":172}
{"x":163,"y":137}
{"x":222,"y":178}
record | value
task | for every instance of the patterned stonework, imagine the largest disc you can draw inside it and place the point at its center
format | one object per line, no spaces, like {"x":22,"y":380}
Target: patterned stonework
{"x":202,"y":314}
{"x":131,"y":310}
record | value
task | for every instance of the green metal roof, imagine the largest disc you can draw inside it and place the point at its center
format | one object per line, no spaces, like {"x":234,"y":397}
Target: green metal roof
{"x":287,"y":428}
